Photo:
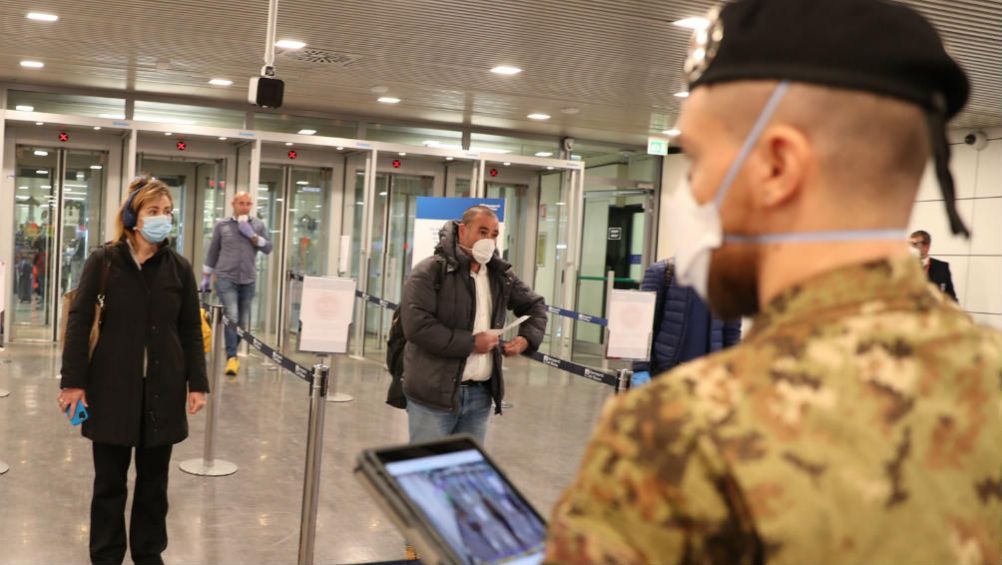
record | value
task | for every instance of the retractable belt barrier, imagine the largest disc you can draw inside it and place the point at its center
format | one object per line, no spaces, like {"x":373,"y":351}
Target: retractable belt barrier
{"x":271,"y":353}
{"x":619,"y":381}
{"x":319,"y":378}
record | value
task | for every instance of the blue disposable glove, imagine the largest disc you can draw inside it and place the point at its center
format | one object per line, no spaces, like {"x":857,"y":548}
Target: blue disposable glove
{"x":640,"y":378}
{"x":246,"y":229}
{"x":206,"y":285}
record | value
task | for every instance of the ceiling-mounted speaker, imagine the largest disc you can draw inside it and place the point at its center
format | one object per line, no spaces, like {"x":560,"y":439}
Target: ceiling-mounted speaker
{"x":266,"y":92}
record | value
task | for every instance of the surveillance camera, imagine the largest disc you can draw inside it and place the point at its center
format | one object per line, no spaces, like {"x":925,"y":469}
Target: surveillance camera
{"x":266,"y":92}
{"x":976,"y":139}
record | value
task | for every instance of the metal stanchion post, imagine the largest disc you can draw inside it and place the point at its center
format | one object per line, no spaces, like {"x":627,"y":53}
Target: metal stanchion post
{"x":314,"y":456}
{"x":334,"y":396}
{"x":623,"y":382}
{"x":208,"y":465}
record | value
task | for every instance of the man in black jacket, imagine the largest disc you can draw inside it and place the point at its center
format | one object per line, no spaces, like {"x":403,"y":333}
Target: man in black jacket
{"x":451,"y":302}
{"x":937,"y":271}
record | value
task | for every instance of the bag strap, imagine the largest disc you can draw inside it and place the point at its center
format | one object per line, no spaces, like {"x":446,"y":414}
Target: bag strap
{"x":105,"y":272}
{"x":669,"y":271}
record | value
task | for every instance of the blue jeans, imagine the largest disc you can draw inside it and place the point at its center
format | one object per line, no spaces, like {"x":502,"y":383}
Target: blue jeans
{"x":236,"y":299}
{"x":426,"y":424}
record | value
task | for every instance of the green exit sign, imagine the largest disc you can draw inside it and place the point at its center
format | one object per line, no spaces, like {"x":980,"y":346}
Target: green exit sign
{"x":657,"y":146}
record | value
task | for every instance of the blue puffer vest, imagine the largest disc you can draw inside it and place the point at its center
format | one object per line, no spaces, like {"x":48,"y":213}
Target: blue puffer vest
{"x":679,"y":305}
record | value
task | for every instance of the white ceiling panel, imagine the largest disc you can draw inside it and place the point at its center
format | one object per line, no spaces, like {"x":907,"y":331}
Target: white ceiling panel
{"x":617,"y":62}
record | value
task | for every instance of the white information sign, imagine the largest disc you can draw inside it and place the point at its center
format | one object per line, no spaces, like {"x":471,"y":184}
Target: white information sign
{"x":631,"y":321}
{"x":326,"y":312}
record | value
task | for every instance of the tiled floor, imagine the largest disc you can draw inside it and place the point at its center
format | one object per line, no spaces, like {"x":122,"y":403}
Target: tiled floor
{"x":253,"y":516}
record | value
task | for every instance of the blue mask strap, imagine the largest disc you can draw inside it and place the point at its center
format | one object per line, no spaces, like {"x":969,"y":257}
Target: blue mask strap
{"x":751,"y":140}
{"x":819,"y":236}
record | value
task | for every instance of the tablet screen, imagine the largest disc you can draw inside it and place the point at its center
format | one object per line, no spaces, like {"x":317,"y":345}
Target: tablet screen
{"x":482,"y":518}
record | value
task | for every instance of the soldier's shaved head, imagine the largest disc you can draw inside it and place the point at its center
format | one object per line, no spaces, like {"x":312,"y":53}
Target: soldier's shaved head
{"x":867,"y":146}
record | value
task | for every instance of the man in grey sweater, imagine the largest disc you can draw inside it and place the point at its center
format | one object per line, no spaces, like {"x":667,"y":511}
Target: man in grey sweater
{"x":451,"y":302}
{"x":232,"y":254}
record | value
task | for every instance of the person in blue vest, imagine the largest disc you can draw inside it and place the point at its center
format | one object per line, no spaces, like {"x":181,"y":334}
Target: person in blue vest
{"x":684,"y":329}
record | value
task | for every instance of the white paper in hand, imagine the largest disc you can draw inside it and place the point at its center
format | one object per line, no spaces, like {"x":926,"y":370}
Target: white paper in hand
{"x":512,"y":325}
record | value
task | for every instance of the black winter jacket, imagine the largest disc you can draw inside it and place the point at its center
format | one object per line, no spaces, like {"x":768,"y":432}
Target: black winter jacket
{"x":438,"y":325}
{"x":160,"y":320}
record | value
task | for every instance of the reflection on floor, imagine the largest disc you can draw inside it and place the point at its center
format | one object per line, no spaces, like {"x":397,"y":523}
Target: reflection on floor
{"x":253,"y":516}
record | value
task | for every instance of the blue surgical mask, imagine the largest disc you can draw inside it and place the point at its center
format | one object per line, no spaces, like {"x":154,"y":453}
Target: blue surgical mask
{"x":696,"y":229}
{"x":156,"y":228}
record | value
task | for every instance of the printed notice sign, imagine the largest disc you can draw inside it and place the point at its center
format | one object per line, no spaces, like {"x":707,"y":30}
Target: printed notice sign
{"x":631,"y":320}
{"x":326,"y":313}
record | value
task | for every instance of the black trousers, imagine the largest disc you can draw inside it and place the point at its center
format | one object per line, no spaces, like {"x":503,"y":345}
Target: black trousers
{"x":148,"y":524}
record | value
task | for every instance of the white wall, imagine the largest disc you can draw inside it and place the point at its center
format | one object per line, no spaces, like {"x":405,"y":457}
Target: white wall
{"x":976,"y":263}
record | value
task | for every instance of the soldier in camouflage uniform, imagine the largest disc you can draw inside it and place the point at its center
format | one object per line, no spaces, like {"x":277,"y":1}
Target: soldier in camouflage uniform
{"x":860,"y":421}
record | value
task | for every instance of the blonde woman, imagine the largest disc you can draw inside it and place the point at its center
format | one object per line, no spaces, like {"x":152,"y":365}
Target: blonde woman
{"x":147,"y":367}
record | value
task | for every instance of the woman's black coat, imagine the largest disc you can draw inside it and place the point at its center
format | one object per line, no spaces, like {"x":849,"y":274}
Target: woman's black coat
{"x":161,"y":319}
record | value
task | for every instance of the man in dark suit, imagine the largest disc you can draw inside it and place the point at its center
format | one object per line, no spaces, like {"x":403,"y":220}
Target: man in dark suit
{"x":937,"y":271}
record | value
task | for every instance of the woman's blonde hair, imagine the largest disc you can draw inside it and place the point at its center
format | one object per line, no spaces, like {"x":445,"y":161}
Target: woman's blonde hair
{"x":142,"y":191}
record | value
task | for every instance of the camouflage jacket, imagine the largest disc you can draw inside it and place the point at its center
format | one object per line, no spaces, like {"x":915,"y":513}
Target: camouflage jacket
{"x":860,"y":421}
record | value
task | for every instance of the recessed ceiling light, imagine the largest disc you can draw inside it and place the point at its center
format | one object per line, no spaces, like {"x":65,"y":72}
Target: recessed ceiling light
{"x":289,"y":44}
{"x":339,"y":148}
{"x":307,"y":131}
{"x":39,"y":123}
{"x":507,"y":164}
{"x":672,"y":132}
{"x":695,"y":23}
{"x":302,"y":182}
{"x":544,"y":154}
{"x":402,"y":154}
{"x":450,"y":158}
{"x":220,"y":82}
{"x":288,"y":144}
{"x":97,"y":128}
{"x":41,"y":154}
{"x":538,"y":116}
{"x":383,"y":193}
{"x":506,"y":70}
{"x":32,"y":64}
{"x":168,"y":133}
{"x":41,"y":172}
{"x":388,"y":100}
{"x":223,"y":138}
{"x":24,"y":108}
{"x":96,"y":167}
{"x":683,"y":94}
{"x":549,"y":168}
{"x":41,"y":17}
{"x":22,"y":188}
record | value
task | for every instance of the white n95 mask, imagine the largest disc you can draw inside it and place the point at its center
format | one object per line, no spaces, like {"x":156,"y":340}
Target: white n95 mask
{"x":483,"y":250}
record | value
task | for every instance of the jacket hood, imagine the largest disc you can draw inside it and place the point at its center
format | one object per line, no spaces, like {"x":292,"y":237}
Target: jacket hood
{"x":448,"y":247}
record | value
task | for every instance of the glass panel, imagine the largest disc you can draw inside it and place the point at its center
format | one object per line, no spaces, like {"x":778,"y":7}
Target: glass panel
{"x":614,"y":235}
{"x":502,"y":144}
{"x":327,"y":127}
{"x":83,"y":193}
{"x":387,"y":273}
{"x":68,"y":104}
{"x":515,"y":203}
{"x":271,"y":211}
{"x":308,"y":214}
{"x":211,"y":192}
{"x":188,"y":115}
{"x":35,"y":179}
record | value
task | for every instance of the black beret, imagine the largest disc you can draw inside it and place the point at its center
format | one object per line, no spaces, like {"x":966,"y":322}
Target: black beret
{"x":871,"y":45}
